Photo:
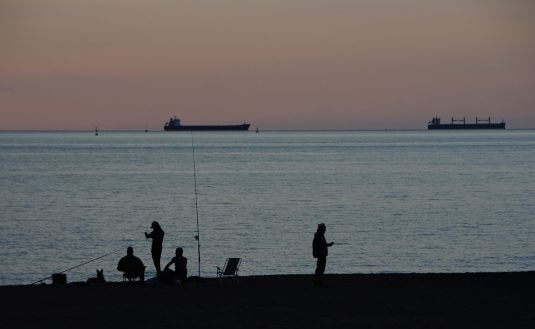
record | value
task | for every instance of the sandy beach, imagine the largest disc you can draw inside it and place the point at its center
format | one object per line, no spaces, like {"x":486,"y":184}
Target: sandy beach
{"x":469,"y":300}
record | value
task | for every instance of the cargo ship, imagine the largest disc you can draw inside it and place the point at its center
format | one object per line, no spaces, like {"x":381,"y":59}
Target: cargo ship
{"x":174,"y":125}
{"x":461,"y":124}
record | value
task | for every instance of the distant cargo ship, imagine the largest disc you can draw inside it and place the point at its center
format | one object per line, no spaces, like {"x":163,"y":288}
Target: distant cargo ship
{"x":174,"y":125}
{"x":461,"y":124}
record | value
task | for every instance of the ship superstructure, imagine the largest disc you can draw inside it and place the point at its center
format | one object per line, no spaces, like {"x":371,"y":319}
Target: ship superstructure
{"x":174,"y":125}
{"x":461,"y":124}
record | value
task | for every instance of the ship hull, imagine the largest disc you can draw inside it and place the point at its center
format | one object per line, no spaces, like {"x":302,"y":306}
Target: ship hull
{"x":466,"y":126}
{"x":242,"y":127}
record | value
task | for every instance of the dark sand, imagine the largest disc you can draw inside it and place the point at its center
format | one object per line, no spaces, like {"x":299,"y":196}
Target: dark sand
{"x":480,"y":300}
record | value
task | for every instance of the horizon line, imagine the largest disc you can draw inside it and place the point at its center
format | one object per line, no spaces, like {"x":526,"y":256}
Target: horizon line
{"x":253,"y":131}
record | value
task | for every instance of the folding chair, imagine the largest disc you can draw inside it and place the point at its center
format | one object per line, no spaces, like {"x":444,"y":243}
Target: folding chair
{"x":132,"y":276}
{"x":231,"y":268}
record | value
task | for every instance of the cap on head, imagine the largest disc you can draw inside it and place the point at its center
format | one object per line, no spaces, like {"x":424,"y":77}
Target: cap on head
{"x":129,"y":251}
{"x":155,"y":225}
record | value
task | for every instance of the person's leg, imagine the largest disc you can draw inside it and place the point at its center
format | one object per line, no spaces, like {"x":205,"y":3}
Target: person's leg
{"x":320,"y":269}
{"x":323,"y":265}
{"x":167,"y":276}
{"x":139,"y":273}
{"x":317,"y":271}
{"x":156,"y":255}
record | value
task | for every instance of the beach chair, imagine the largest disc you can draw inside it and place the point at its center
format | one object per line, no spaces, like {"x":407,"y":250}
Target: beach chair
{"x":132,"y":276}
{"x":230,"y":269}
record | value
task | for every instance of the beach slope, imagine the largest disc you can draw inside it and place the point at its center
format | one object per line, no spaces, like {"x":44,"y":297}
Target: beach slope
{"x":468,"y":300}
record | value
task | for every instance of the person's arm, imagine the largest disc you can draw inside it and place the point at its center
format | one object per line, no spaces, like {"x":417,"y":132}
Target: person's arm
{"x":149,"y":235}
{"x":325,"y":244}
{"x":169,"y":264}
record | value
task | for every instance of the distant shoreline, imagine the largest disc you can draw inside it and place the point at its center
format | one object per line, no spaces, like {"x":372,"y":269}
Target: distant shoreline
{"x":250,"y":131}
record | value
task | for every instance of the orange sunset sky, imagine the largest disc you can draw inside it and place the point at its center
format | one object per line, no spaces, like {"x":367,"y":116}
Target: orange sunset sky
{"x":279,"y":64}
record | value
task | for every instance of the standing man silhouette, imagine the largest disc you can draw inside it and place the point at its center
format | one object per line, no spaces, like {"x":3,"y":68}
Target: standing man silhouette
{"x":320,"y":251}
{"x":157,"y":240}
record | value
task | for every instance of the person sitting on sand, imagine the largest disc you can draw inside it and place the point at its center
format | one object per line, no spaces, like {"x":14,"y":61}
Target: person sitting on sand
{"x":131,"y":266}
{"x":320,"y":251}
{"x":181,"y":270}
{"x":157,"y":240}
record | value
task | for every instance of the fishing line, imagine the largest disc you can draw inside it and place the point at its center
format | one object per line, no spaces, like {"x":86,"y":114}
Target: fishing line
{"x":197,"y":237}
{"x":85,"y":263}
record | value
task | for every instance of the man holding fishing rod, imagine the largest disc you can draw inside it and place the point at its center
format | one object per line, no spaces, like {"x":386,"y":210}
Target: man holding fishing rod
{"x":320,"y":251}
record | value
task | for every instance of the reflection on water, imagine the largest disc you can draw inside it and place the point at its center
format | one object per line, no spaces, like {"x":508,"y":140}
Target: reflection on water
{"x":395,"y":201}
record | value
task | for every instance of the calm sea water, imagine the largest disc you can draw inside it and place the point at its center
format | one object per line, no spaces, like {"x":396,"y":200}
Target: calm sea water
{"x":392,"y":201}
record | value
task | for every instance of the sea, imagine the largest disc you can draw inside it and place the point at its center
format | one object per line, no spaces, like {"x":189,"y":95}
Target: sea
{"x":392,"y":201}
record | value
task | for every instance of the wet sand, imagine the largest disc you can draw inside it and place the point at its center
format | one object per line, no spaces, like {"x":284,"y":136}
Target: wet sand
{"x":468,"y":300}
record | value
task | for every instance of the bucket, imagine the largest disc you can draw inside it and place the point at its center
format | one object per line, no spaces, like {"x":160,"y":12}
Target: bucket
{"x":59,"y":279}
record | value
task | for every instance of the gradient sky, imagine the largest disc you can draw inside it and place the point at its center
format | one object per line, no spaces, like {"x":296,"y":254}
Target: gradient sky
{"x":279,"y":64}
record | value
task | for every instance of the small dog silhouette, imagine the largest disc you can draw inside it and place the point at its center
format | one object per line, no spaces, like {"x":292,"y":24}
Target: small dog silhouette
{"x":99,"y":278}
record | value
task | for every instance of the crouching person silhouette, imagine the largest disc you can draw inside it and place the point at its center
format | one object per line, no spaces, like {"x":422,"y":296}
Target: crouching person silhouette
{"x":320,"y":251}
{"x":181,"y":268}
{"x":131,"y":266}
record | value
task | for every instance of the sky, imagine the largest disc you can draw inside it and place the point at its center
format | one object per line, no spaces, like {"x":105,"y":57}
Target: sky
{"x":278,"y":64}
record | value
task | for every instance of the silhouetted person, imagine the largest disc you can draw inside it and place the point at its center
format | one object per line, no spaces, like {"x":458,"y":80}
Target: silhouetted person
{"x":181,"y":267}
{"x":131,"y":266}
{"x":157,"y":239}
{"x":320,"y":251}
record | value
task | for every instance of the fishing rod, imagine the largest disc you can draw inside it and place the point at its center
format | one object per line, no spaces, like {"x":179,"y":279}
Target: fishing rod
{"x":197,"y":237}
{"x":80,"y":265}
